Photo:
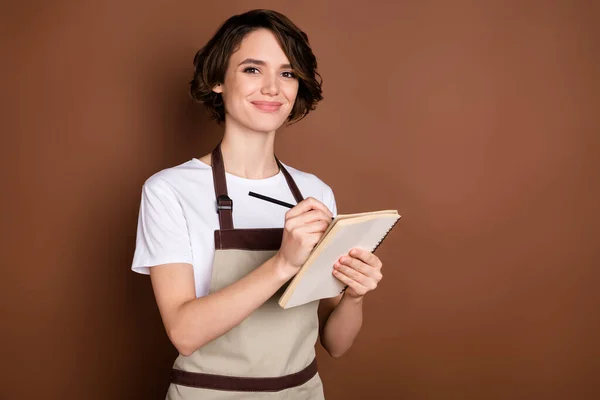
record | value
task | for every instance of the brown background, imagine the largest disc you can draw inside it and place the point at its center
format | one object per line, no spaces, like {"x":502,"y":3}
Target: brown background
{"x":476,"y":120}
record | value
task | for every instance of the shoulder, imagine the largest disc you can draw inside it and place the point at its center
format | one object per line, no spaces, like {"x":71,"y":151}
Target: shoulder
{"x":306,"y":179}
{"x":177,"y":179}
{"x":312,"y":186}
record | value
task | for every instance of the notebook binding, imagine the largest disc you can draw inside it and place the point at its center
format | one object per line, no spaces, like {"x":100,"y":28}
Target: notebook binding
{"x":384,"y":236}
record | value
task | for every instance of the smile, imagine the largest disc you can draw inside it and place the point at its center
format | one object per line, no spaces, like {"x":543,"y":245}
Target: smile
{"x":267,"y":106}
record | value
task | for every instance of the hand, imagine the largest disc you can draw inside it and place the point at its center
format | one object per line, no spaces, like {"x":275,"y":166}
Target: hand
{"x":360,"y":270}
{"x":304,"y":226}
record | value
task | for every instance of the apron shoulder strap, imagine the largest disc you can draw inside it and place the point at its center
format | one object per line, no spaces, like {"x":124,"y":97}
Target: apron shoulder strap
{"x":224,"y":203}
{"x":291,"y":183}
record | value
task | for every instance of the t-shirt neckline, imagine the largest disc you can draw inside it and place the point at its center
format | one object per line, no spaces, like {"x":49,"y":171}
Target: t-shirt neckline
{"x":265,"y":181}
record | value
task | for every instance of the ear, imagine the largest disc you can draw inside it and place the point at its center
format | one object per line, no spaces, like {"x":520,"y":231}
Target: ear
{"x":218,"y":88}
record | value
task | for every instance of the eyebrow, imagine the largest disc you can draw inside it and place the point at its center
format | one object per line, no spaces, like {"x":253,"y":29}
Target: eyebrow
{"x":260,"y":62}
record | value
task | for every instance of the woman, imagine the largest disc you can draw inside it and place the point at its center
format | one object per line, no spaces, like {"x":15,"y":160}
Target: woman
{"x":216,"y":283}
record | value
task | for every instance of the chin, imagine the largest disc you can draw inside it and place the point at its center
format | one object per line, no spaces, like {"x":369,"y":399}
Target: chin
{"x":265,"y":128}
{"x":259,"y":122}
{"x":265,"y":125}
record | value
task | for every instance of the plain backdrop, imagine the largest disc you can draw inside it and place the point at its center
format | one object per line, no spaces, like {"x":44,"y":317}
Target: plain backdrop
{"x":477,"y":120}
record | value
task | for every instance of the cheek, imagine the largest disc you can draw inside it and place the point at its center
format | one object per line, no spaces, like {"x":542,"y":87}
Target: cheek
{"x":237,"y":93}
{"x":290,"y":93}
{"x":248,"y":87}
{"x":241,"y":87}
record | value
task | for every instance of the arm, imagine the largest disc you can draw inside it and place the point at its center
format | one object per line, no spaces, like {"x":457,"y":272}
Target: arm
{"x":340,"y":318}
{"x":191,"y":322}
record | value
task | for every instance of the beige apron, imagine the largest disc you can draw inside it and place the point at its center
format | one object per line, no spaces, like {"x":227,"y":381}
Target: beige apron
{"x":270,"y":354}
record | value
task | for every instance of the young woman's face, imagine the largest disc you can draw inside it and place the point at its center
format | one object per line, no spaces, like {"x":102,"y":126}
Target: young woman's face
{"x":260,"y":87}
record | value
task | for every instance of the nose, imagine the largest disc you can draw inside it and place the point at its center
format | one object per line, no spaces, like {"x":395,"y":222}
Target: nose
{"x":270,"y":86}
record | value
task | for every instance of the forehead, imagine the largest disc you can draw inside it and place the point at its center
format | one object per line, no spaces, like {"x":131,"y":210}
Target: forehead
{"x":260,"y":44}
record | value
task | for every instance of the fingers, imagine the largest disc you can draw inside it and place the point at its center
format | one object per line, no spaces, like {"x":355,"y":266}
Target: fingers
{"x":310,"y":217}
{"x":367,"y":257}
{"x":314,"y":227}
{"x":310,"y":234}
{"x":354,"y":265}
{"x":357,"y":287}
{"x":310,"y":203}
{"x":358,"y":272}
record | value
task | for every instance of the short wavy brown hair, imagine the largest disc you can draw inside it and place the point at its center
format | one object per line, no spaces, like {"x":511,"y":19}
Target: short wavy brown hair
{"x":211,"y":61}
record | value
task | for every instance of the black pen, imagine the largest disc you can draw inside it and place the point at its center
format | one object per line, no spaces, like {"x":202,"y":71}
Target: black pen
{"x":272,"y":200}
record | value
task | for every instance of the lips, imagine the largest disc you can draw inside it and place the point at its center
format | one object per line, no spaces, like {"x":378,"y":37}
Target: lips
{"x":268,"y":106}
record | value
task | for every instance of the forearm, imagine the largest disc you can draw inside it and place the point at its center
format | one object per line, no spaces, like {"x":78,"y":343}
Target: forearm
{"x":203,"y":319}
{"x":343,"y":325}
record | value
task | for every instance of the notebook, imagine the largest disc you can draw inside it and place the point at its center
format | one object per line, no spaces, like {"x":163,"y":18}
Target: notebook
{"x":314,"y":280}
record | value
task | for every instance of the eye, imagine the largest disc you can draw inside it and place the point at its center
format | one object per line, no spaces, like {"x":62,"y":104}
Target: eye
{"x":251,"y":70}
{"x":289,"y":74}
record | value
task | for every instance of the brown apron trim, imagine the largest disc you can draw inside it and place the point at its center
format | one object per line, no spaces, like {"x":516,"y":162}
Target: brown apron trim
{"x":243,"y":384}
{"x":248,"y":239}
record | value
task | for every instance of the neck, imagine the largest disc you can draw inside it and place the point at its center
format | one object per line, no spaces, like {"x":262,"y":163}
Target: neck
{"x":249,"y":154}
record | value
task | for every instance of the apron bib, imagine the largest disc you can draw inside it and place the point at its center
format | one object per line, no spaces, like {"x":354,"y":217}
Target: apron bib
{"x":271,"y":353}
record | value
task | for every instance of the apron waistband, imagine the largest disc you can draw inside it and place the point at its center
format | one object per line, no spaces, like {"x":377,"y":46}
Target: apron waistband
{"x":243,"y":384}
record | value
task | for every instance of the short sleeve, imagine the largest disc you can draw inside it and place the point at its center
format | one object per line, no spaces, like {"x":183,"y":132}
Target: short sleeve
{"x":329,"y":200}
{"x":162,"y":234}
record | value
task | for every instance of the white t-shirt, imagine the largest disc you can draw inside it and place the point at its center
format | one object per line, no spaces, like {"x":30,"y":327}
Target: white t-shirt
{"x":178,"y":216}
